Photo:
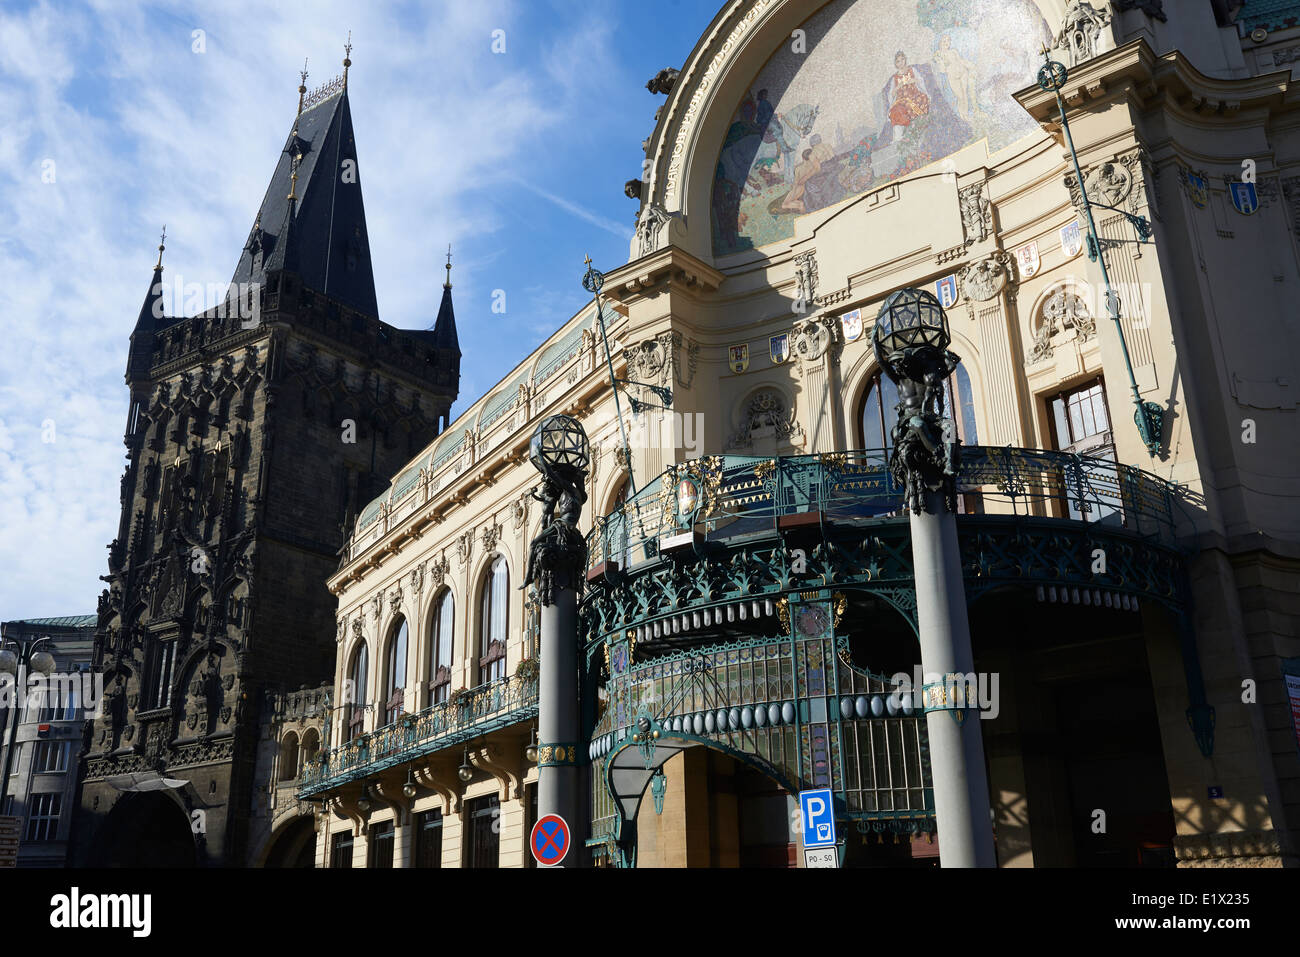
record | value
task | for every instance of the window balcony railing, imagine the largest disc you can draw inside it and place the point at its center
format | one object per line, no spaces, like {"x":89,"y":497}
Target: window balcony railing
{"x":469,"y":714}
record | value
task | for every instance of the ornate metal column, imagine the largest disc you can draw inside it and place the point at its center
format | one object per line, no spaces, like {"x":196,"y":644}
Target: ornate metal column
{"x":911,"y":341}
{"x":556,"y":560}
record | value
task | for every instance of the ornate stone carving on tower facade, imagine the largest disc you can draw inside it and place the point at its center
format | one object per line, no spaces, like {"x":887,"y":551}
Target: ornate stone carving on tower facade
{"x":491,"y":536}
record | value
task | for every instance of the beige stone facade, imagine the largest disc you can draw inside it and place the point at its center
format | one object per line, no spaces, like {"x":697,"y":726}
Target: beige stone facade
{"x":1157,"y":107}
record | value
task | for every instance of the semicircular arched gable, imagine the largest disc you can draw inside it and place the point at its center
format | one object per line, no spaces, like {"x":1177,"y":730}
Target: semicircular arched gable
{"x":779,"y":114}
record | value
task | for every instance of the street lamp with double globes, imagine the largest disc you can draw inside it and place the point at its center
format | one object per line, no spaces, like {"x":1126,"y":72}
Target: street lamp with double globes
{"x":911,"y":340}
{"x":26,"y":658}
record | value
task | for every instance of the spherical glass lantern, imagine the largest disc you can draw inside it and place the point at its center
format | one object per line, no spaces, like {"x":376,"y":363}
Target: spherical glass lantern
{"x":560,"y":443}
{"x":42,"y":663}
{"x":8,"y":662}
{"x":909,"y":319}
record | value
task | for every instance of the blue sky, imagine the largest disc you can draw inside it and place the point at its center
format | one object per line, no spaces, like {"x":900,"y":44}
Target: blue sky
{"x":114,"y":125}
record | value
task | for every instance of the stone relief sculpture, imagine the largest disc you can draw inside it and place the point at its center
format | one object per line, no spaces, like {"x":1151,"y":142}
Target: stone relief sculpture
{"x":985,"y":279}
{"x":976,"y":212}
{"x":650,"y":228}
{"x":765,"y":415}
{"x":1080,"y":33}
{"x":1062,"y":311}
{"x":813,"y":338}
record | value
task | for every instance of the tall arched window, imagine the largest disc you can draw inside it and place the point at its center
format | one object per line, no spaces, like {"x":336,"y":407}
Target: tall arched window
{"x":357,"y":675}
{"x":289,"y":757}
{"x":494,"y":622}
{"x":394,"y":693}
{"x":879,"y":410}
{"x":310,"y":745}
{"x":444,"y":616}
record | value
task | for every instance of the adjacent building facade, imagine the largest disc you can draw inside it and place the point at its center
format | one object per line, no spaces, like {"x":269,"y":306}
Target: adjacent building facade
{"x":42,"y":788}
{"x":1132,"y":594}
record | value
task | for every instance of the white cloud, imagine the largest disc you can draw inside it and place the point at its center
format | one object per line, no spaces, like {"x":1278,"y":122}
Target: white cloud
{"x":144,"y":131}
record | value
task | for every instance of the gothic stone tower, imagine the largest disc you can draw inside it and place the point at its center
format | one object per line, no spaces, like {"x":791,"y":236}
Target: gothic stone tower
{"x":251,"y":439}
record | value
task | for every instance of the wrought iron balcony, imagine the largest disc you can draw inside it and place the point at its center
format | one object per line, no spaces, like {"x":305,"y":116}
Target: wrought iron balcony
{"x":736,"y":495}
{"x":723,"y":531}
{"x":476,"y":712}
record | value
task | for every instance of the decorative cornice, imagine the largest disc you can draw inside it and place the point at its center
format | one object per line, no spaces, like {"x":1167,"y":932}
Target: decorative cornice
{"x":1135,"y":67}
{"x":669,"y":264}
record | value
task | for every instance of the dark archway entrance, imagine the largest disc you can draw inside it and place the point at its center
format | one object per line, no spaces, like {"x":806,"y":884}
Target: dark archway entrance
{"x":294,"y":845}
{"x":1076,"y":763}
{"x":717,"y":811}
{"x":145,"y":829}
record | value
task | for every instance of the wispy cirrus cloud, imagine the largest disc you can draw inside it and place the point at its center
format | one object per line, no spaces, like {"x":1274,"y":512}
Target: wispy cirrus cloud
{"x":120,"y":117}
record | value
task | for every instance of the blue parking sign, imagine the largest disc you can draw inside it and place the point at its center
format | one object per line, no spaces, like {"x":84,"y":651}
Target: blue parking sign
{"x":818,"y":818}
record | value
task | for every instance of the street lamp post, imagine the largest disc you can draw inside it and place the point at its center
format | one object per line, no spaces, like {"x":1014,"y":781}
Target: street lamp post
{"x":27,"y":658}
{"x":557,"y":559}
{"x":911,"y":341}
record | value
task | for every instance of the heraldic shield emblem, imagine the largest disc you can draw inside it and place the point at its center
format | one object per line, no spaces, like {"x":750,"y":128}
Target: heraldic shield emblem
{"x":946,"y":290}
{"x":780,"y":347}
{"x":1071,"y":240}
{"x":852,"y":325}
{"x":1198,"y":189}
{"x":1245,"y":198}
{"x":1027,"y":260}
{"x":738,"y":358}
{"x":688,"y":499}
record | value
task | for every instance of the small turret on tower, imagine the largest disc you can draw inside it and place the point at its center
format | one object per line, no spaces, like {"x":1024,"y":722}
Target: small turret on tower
{"x":140,"y":356}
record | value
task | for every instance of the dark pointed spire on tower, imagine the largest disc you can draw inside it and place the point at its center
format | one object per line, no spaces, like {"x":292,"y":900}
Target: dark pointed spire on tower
{"x":444,"y":329}
{"x":140,"y":355}
{"x":322,"y":228}
{"x":285,"y":254}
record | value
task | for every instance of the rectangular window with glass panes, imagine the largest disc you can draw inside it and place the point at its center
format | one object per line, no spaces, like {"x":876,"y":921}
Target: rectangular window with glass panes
{"x":43,"y":817}
{"x":50,"y":757}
